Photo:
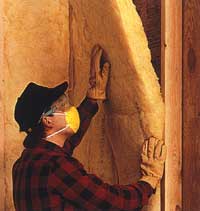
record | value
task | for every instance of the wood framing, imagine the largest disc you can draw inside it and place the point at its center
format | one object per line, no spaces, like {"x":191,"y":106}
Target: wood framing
{"x":171,"y":63}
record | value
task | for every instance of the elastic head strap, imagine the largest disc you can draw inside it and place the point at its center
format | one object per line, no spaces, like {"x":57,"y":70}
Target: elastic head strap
{"x":59,"y":131}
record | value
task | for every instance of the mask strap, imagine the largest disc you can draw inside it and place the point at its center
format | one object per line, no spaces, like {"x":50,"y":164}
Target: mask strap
{"x":57,"y":132}
{"x":59,"y":114}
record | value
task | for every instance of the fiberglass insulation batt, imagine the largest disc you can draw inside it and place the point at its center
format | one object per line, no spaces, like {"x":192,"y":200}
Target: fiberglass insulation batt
{"x":135,"y":109}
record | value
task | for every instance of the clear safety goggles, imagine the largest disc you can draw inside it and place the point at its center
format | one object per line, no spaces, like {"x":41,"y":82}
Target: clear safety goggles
{"x":61,"y":105}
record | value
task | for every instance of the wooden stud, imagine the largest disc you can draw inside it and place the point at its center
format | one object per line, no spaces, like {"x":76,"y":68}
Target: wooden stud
{"x":171,"y":70}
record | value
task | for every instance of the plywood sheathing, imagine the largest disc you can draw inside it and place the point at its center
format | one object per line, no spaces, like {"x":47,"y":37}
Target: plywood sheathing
{"x":191,"y":105}
{"x":150,"y":13}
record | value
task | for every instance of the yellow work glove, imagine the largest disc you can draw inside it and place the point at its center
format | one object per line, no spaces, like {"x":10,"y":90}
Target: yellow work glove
{"x":98,"y":76}
{"x":153,"y":158}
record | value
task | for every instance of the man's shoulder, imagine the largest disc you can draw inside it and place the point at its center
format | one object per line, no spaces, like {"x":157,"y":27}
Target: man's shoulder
{"x":68,"y":163}
{"x":38,"y":154}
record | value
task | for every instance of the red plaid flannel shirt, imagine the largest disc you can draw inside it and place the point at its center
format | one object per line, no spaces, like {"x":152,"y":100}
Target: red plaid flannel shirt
{"x":48,"y":178}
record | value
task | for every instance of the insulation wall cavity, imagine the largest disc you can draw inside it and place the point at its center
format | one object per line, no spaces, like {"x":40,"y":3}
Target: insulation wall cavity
{"x":135,"y":109}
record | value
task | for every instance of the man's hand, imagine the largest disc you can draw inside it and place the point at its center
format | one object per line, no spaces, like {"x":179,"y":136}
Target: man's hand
{"x":98,"y":77}
{"x":153,"y":158}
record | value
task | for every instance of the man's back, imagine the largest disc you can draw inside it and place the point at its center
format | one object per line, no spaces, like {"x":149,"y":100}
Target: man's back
{"x":48,"y":178}
{"x":31,"y":179}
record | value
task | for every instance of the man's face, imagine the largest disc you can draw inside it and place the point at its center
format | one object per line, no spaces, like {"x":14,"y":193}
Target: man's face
{"x":58,"y":121}
{"x":62,"y":103}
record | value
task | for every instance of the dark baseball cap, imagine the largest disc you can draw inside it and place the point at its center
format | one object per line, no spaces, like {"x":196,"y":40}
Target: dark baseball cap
{"x":33,"y":101}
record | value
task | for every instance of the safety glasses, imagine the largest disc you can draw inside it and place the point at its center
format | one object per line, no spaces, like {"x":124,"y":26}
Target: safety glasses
{"x":59,"y":106}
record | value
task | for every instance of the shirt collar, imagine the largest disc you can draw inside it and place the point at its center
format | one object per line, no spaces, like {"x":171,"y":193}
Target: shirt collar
{"x":67,"y":148}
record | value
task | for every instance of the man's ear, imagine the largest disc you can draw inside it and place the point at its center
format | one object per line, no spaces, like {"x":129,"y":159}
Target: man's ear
{"x":47,"y":122}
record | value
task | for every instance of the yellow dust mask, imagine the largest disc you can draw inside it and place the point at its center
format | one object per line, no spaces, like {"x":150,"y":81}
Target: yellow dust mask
{"x":72,"y":120}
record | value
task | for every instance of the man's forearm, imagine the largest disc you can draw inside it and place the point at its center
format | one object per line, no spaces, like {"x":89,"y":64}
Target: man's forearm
{"x":87,"y":109}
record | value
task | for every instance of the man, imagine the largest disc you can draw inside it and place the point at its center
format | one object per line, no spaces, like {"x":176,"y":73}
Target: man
{"x":47,"y":177}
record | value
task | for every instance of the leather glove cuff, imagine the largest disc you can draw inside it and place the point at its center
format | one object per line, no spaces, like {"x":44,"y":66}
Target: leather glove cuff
{"x":153,"y":181}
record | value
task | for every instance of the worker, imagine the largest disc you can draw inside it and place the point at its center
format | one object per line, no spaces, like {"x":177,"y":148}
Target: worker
{"x":46,"y":177}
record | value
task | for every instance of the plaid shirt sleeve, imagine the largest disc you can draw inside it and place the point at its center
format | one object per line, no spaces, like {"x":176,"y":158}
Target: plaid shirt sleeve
{"x":87,"y":191}
{"x":86,"y":110}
